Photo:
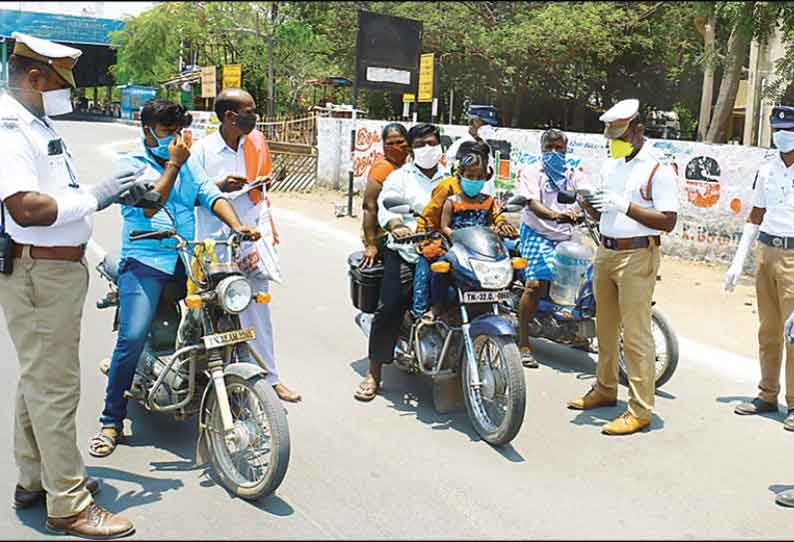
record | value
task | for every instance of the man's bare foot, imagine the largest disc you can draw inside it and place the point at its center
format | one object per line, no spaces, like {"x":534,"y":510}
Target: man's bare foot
{"x":286,"y":394}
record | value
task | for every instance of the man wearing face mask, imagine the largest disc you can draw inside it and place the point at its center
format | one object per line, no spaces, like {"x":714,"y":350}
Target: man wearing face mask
{"x":147,"y":266}
{"x":480,"y":130}
{"x":232,"y":157}
{"x":544,"y":224}
{"x":44,"y":227}
{"x":636,"y":202}
{"x":414,"y":182}
{"x":771,"y":221}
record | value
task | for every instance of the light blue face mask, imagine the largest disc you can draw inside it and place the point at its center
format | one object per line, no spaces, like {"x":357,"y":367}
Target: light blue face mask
{"x":471,"y":187}
{"x":784,"y":141}
{"x":161,"y":150}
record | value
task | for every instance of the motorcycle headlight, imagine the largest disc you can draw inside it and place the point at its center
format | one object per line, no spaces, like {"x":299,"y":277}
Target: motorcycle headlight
{"x":493,"y":275}
{"x":234,"y":294}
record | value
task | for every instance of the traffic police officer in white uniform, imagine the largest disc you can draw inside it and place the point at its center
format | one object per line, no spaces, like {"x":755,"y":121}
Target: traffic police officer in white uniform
{"x":637,"y":201}
{"x":771,"y":221}
{"x":46,"y":225}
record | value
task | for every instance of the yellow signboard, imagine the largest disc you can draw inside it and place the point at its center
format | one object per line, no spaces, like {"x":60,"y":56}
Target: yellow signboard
{"x":426,"y":77}
{"x":409,"y":98}
{"x":208,"y":82}
{"x":232,"y":75}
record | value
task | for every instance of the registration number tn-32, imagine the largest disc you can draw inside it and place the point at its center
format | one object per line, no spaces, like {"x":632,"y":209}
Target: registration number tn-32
{"x":493,"y":296}
{"x":229,"y":337}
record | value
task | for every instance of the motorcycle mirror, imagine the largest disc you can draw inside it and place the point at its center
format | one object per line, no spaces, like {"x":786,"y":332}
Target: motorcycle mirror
{"x":566,"y":197}
{"x":397,"y":205}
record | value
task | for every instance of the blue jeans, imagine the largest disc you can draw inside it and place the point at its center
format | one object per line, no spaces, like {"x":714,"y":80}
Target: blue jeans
{"x":421,"y":300}
{"x":140,"y":287}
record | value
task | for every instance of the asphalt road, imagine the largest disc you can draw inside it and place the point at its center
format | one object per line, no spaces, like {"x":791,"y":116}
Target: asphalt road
{"x":394,"y":468}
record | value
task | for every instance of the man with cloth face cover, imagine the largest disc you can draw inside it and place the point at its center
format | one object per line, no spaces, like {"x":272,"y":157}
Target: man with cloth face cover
{"x":544,"y":224}
{"x":46,"y":214}
{"x":771,"y":221}
{"x":636,"y":202}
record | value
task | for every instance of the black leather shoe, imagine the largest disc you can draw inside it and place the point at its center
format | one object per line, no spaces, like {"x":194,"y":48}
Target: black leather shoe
{"x":785,"y":498}
{"x":25,"y":499}
{"x":788,"y":423}
{"x":756,"y":406}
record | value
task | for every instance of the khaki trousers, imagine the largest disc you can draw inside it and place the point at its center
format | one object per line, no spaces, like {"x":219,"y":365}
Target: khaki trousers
{"x":624,"y":282}
{"x":43,"y":305}
{"x":774,"y":285}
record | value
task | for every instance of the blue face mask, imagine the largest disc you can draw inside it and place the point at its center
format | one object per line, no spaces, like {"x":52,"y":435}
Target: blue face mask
{"x":161,"y":150}
{"x":554,"y":166}
{"x":784,"y":141}
{"x":471,"y":187}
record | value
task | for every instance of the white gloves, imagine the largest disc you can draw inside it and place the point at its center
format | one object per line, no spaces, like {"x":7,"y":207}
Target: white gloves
{"x":788,"y":329}
{"x":749,"y":236}
{"x":607,"y":202}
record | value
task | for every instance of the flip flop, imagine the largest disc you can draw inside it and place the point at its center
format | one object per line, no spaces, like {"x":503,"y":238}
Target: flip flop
{"x":102,"y":440}
{"x":528,"y":360}
{"x":366,"y":392}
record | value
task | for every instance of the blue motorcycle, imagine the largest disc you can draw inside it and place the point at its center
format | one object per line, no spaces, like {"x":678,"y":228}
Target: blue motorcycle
{"x":468,"y":339}
{"x":574,"y":325}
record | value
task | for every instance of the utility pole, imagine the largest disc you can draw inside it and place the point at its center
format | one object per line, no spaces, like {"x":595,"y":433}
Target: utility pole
{"x":270,"y":82}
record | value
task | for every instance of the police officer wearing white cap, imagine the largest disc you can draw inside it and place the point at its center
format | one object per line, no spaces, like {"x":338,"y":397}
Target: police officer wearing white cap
{"x":637,"y":201}
{"x":771,"y":221}
{"x":43,"y":284}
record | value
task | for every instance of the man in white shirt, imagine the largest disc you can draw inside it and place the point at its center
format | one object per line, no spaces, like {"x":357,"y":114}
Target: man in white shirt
{"x":771,"y":221}
{"x":226,"y":157}
{"x":636,"y":202}
{"x":46,"y":224}
{"x":414,"y":182}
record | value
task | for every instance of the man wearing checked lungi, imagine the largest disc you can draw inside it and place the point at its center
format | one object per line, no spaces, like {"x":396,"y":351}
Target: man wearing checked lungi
{"x":541,"y":226}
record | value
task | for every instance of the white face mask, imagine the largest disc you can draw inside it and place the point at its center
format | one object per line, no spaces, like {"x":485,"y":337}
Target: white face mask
{"x":486,"y":131}
{"x":57,"y":102}
{"x":427,"y":157}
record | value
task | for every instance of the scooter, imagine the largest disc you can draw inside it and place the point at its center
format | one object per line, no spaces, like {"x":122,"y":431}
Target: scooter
{"x":467,"y":338}
{"x":574,"y":324}
{"x":198,"y":361}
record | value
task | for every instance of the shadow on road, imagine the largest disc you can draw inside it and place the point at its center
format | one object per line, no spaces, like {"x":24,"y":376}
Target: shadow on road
{"x":600,"y":416}
{"x":162,"y":431}
{"x":151,"y":491}
{"x":736,"y":399}
{"x":565,"y":359}
{"x":408,"y":398}
{"x":34,"y":518}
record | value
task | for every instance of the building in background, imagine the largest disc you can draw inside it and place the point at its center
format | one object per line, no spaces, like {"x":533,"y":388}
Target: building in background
{"x":762,"y":74}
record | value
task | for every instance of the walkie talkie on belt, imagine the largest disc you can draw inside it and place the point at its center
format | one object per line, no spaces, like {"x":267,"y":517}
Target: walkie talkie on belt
{"x":6,"y":245}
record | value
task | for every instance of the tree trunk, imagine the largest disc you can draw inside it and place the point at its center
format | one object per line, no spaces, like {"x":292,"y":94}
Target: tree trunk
{"x":709,"y":38}
{"x":738,"y":49}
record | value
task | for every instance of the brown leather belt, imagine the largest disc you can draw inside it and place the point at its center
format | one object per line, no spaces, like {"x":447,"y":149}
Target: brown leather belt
{"x":630,"y":243}
{"x":69,"y":254}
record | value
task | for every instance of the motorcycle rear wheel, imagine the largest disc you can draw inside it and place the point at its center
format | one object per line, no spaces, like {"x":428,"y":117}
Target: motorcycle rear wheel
{"x":666,"y":344}
{"x":502,"y":390}
{"x":263,"y":424}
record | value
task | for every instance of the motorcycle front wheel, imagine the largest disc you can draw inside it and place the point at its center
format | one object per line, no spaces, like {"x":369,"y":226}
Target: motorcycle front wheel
{"x":252,"y":461}
{"x":666,"y":344}
{"x":497,"y":408}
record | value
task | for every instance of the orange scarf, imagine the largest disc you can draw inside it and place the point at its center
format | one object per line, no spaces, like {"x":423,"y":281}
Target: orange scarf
{"x":258,"y":163}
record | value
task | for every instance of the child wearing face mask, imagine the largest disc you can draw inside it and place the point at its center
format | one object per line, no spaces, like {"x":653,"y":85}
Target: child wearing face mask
{"x":465,"y":207}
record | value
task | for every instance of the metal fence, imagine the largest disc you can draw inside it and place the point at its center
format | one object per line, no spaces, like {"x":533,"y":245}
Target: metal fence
{"x":293,"y":145}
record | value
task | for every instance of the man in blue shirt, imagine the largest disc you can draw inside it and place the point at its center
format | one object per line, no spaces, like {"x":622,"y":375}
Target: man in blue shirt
{"x":148,"y":265}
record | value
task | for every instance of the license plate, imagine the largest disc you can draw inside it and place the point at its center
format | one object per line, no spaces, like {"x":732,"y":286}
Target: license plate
{"x":486,"y":297}
{"x":230,"y":337}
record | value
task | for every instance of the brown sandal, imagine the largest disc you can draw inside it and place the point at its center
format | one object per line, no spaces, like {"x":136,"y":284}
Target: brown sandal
{"x":367,"y":389}
{"x":103,"y":441}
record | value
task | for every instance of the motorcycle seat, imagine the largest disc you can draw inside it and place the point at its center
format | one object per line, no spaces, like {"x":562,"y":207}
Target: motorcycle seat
{"x":111,"y":263}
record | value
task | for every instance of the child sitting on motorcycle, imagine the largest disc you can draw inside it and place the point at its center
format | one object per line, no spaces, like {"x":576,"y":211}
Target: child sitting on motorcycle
{"x":464,"y":206}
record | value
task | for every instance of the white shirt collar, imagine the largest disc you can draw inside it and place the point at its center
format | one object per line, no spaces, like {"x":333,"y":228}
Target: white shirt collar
{"x":441,"y":172}
{"x":218,"y":144}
